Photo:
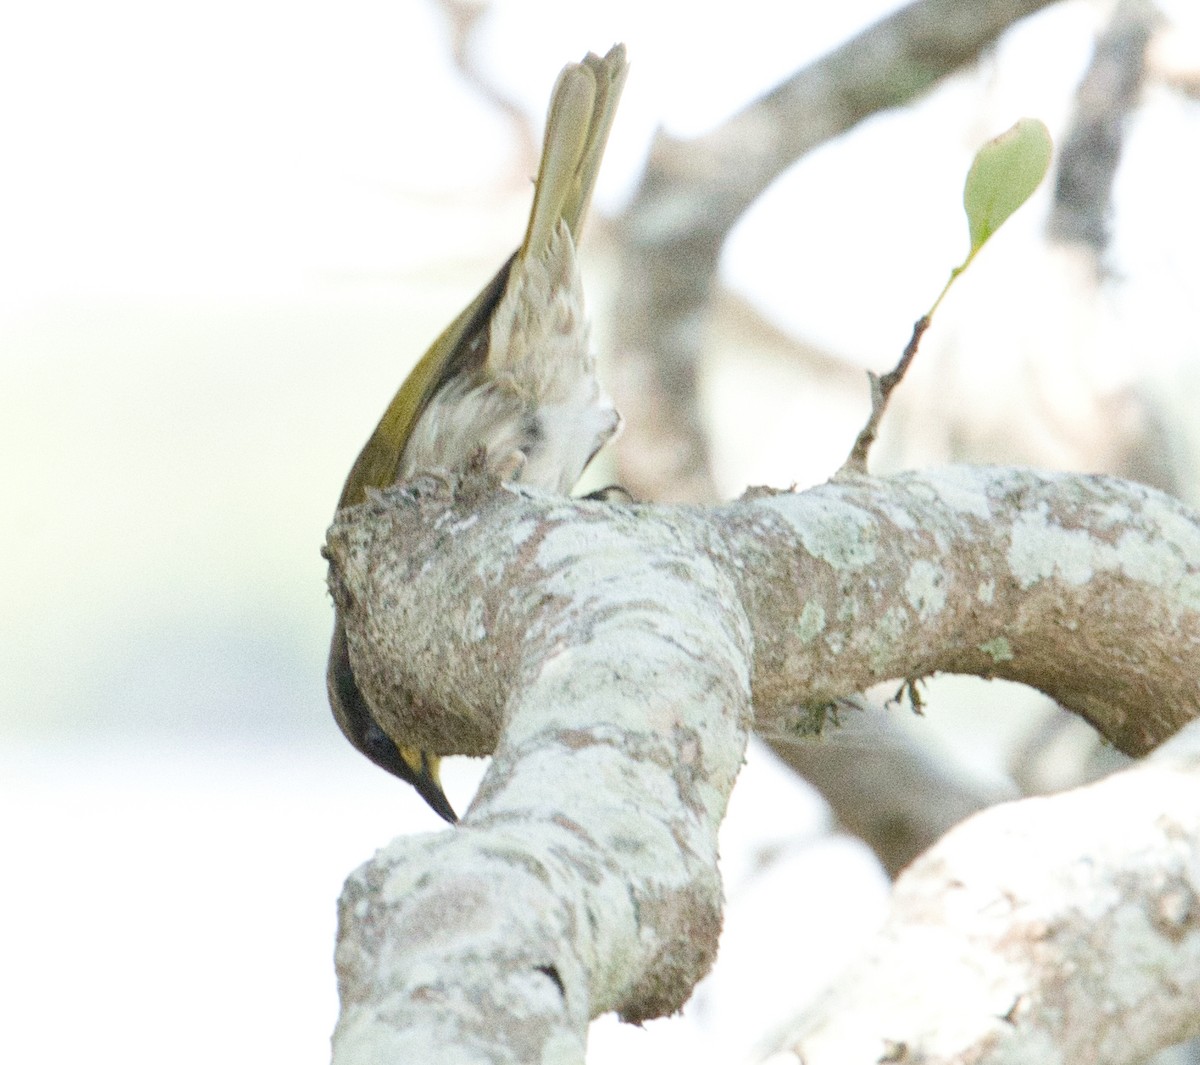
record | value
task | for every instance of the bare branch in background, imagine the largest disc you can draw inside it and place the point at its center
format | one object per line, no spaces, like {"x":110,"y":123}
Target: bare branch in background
{"x":694,"y":192}
{"x":1090,"y":151}
{"x":884,"y":785}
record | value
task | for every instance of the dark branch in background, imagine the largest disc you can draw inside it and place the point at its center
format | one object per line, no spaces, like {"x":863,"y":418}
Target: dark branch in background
{"x":1090,"y":152}
{"x":901,"y":797}
{"x":1089,"y":156}
{"x":694,"y":192}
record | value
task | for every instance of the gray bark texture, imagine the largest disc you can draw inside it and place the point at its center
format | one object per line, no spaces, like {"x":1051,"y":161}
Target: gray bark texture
{"x":613,"y":657}
{"x":1063,"y":929}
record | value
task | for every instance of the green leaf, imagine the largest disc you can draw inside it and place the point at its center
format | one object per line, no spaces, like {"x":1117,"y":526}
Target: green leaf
{"x":1005,"y":173}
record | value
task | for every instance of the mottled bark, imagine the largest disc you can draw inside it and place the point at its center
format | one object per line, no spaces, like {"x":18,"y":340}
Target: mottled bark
{"x":1063,"y":929}
{"x":613,"y":657}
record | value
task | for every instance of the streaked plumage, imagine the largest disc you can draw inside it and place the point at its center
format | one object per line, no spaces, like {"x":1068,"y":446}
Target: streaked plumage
{"x":513,"y":372}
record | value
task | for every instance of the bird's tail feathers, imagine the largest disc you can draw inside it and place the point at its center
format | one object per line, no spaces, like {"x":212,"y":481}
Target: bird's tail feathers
{"x":581,"y":114}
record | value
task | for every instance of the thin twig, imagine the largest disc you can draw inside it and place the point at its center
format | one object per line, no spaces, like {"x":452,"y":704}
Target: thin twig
{"x":881,"y":391}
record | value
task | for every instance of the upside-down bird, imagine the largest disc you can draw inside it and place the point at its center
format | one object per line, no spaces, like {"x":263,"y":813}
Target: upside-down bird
{"x":512,"y":376}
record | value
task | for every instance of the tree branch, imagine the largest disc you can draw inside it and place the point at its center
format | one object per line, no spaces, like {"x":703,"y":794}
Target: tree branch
{"x":1064,"y":928}
{"x":1079,"y":586}
{"x":584,"y":877}
{"x":609,"y":654}
{"x":1090,"y":151}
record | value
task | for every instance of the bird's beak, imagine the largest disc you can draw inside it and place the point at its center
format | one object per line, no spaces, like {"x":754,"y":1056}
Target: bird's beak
{"x":428,"y":783}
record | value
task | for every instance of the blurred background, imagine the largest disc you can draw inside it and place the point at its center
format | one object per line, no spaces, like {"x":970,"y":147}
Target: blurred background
{"x":226,"y":233}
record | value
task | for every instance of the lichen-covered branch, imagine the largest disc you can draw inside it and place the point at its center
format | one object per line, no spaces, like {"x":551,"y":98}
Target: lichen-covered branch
{"x":1061,"y":929}
{"x":1084,"y":587}
{"x":605,"y":665}
{"x":610,"y":655}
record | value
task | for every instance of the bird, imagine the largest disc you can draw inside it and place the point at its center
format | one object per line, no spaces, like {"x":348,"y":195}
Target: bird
{"x":511,"y":378}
